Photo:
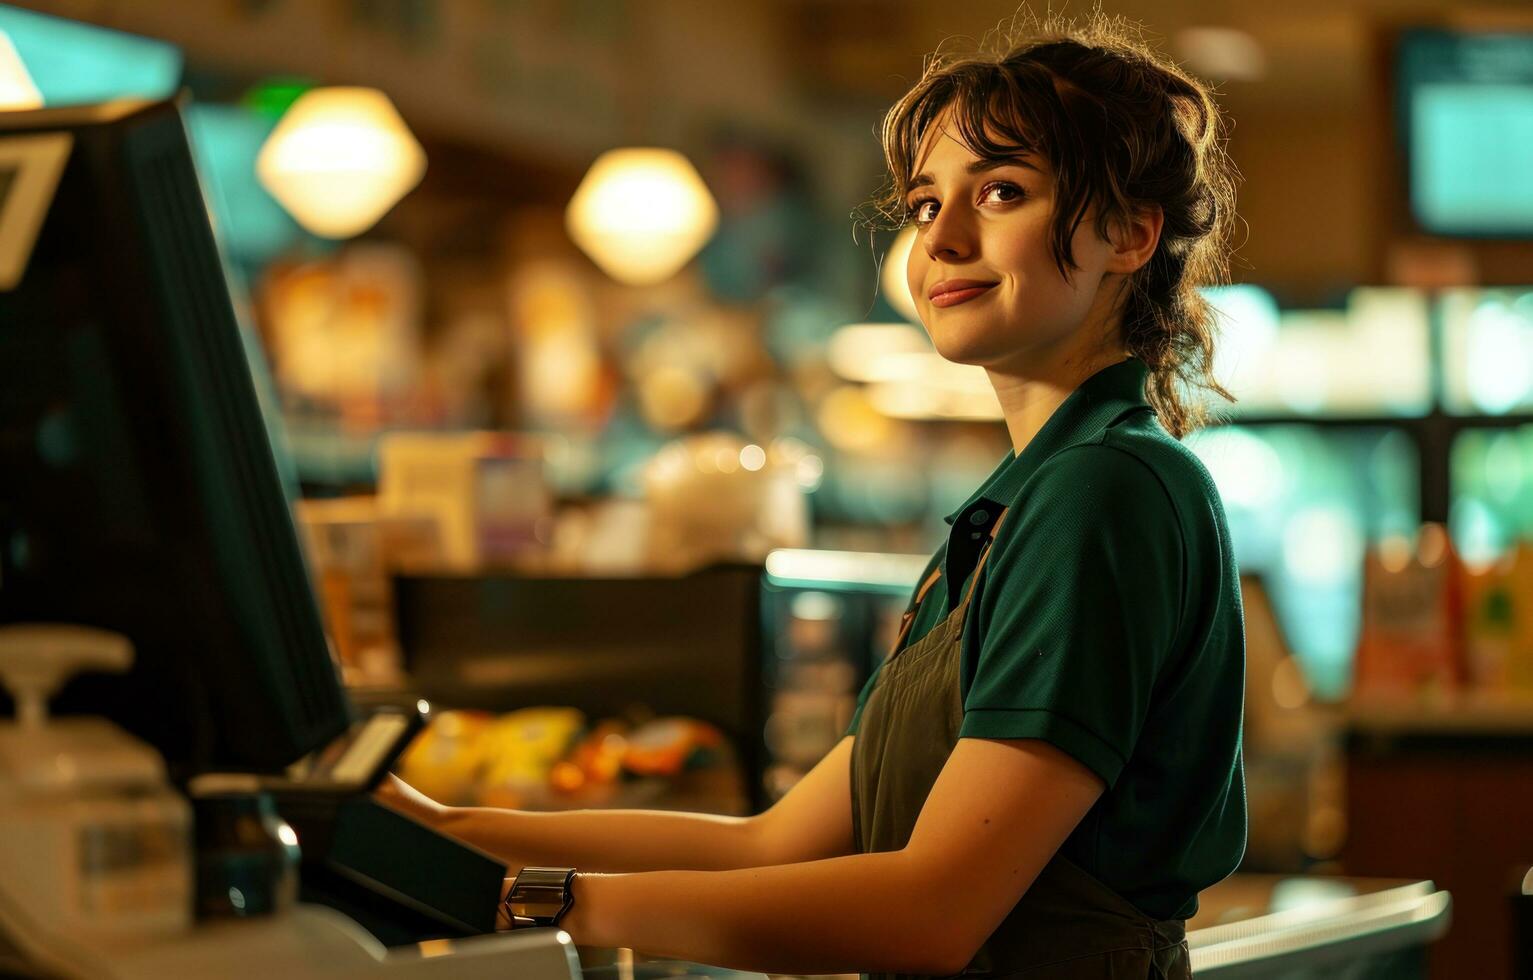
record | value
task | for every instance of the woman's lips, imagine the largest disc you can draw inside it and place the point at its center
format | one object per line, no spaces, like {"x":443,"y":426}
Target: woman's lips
{"x":952,"y":297}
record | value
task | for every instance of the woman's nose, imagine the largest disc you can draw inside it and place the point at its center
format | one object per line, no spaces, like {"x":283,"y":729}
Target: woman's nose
{"x":949,"y":236}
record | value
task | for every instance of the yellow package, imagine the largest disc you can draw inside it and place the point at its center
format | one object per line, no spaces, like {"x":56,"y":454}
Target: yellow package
{"x":521,"y":749}
{"x":444,"y":761}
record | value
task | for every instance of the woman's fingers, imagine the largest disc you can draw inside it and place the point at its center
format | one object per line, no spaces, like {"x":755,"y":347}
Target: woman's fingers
{"x":397,"y":794}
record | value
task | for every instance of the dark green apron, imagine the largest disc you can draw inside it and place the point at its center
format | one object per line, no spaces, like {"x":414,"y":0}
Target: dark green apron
{"x":1069,"y":925}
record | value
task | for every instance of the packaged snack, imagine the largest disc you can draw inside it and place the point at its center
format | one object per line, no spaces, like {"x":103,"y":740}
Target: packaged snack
{"x":1519,"y":662}
{"x":445,"y":760}
{"x":522,"y":748}
{"x":1411,"y":645}
{"x":665,"y":746}
{"x":1490,"y":625}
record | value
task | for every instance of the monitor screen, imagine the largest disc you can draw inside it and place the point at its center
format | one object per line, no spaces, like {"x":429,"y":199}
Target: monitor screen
{"x":1465,"y":109}
{"x":140,"y":492}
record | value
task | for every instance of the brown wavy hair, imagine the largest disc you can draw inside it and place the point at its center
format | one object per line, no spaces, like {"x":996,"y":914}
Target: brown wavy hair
{"x":1124,"y":128}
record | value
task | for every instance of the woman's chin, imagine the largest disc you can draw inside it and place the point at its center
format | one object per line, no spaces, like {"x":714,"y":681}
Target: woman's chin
{"x":961,"y":350}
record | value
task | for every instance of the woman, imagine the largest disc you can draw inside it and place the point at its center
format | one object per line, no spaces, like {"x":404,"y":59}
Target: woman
{"x":1046,"y":770}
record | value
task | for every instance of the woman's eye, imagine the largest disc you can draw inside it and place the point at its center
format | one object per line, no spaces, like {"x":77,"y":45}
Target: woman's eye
{"x":924,"y":211}
{"x":1003,"y":192}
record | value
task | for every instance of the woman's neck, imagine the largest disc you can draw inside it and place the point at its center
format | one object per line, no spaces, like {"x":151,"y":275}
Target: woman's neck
{"x":1031,"y":393}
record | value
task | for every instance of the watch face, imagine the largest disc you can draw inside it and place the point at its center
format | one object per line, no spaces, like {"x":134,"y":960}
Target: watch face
{"x":539,"y":893}
{"x":534,"y":900}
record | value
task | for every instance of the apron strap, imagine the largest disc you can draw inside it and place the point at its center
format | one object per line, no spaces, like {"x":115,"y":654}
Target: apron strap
{"x":909,"y":617}
{"x":931,"y":580}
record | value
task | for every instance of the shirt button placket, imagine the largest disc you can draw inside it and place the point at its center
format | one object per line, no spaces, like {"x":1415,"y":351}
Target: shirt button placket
{"x":977,"y":519}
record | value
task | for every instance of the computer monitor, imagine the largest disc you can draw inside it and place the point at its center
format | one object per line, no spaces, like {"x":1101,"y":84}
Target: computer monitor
{"x":138,"y":490}
{"x":1464,"y":115}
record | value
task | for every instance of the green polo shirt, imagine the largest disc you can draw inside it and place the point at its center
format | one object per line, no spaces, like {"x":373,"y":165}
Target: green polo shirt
{"x":1107,"y":622}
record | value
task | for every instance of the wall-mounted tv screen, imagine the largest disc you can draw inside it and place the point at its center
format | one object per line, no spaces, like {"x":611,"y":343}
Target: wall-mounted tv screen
{"x":1465,"y":111}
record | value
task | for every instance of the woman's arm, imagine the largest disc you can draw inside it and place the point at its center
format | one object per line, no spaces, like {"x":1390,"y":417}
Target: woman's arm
{"x":600,"y":840}
{"x":996,"y":815}
{"x":813,"y":820}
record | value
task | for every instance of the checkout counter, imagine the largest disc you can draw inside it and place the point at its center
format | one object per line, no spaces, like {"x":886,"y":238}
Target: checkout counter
{"x":1249,"y":926}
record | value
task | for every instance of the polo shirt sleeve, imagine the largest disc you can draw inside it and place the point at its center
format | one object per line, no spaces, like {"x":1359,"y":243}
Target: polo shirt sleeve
{"x":1079,"y":609}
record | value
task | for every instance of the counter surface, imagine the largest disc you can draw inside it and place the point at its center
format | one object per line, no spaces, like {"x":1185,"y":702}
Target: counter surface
{"x":1360,"y":916}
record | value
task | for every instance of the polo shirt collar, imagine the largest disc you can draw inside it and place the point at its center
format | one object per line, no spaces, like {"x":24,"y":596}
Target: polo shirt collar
{"x":1097,"y":403}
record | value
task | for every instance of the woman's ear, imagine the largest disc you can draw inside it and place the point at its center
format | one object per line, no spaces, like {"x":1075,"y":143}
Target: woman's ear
{"x":1133,"y":239}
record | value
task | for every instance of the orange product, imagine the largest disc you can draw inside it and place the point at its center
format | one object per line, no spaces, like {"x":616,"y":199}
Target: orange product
{"x":662,"y":747}
{"x":1411,"y":645}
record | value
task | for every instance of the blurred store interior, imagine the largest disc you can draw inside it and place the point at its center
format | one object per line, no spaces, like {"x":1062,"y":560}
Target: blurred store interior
{"x":613,"y":438}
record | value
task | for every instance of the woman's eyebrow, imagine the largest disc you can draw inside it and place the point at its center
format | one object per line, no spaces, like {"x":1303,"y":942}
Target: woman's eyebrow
{"x":979,"y":166}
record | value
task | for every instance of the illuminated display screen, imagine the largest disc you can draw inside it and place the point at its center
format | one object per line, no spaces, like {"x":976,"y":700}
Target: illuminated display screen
{"x":1466,"y":114}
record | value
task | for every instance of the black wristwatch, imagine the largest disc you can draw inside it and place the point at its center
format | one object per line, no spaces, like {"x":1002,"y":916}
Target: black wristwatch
{"x":539,"y":897}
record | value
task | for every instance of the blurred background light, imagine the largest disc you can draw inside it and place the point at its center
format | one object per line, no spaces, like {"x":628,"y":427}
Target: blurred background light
{"x":1323,"y":546}
{"x":1492,"y":492}
{"x":925,"y":386}
{"x":896,"y":286}
{"x":864,"y":351}
{"x":1247,"y":469}
{"x":17,"y":90}
{"x":1247,"y":318}
{"x":641,"y":214}
{"x":1371,"y":358}
{"x":1487,"y":350}
{"x":226,"y":139}
{"x":1221,"y":53}
{"x":339,"y":159}
{"x":76,"y":64}
{"x":1500,"y":374}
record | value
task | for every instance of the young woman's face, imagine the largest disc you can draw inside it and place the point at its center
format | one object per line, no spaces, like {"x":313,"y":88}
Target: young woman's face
{"x":983,"y":277}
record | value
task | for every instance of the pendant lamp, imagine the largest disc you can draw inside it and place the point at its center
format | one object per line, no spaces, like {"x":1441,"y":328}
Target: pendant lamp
{"x":339,"y":159}
{"x":641,"y":214}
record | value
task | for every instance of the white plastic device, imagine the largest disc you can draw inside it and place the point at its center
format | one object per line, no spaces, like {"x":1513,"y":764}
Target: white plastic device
{"x":95,"y":859}
{"x":96,"y":845}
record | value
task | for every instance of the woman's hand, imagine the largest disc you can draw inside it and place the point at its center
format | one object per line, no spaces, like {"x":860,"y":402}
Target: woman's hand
{"x":396,"y":794}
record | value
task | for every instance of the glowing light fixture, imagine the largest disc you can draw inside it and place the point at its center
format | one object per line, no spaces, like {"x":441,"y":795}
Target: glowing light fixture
{"x":1500,"y":378}
{"x":71,"y":63}
{"x":1248,"y":318}
{"x":1247,"y":470}
{"x":1322,"y":546}
{"x":17,"y":90}
{"x":861,"y":351}
{"x":641,"y":214}
{"x":896,"y":287}
{"x":339,"y":159}
{"x":1223,"y":52}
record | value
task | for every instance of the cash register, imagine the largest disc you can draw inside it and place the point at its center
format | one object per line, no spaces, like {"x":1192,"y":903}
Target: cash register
{"x":157,"y":622}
